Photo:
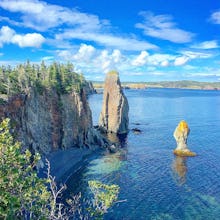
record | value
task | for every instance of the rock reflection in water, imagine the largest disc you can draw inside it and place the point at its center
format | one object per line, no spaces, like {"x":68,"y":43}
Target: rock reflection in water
{"x":180,"y":169}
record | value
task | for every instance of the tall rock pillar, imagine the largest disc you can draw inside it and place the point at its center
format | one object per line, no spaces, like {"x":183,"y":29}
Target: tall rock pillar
{"x":114,"y":114}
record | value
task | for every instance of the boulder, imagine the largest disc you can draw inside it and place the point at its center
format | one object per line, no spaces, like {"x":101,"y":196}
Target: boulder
{"x":181,"y":134}
{"x":114,"y":114}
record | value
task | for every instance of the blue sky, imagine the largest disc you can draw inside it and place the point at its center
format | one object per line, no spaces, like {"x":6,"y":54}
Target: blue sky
{"x":145,"y":40}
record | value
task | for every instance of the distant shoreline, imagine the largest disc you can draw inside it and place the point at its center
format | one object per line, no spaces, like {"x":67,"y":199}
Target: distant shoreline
{"x":166,"y":84}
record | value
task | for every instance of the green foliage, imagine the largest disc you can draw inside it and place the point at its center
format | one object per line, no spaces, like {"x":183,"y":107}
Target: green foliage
{"x":60,"y":77}
{"x":104,"y":197}
{"x":22,"y":193}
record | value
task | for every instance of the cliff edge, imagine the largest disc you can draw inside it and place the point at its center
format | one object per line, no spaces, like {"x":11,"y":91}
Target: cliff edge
{"x":48,"y":121}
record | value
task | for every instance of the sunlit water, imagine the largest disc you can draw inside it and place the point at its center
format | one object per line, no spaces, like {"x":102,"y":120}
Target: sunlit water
{"x":154,"y":184}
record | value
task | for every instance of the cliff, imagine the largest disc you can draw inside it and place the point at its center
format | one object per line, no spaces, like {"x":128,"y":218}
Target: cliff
{"x":114,"y":114}
{"x":48,"y":121}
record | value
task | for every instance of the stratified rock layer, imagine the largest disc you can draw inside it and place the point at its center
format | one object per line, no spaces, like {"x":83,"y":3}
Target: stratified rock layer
{"x":180,"y":134}
{"x":114,"y":114}
{"x":48,"y":121}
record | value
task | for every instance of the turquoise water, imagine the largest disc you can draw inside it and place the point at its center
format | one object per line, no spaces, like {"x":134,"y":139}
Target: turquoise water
{"x":155,"y":184}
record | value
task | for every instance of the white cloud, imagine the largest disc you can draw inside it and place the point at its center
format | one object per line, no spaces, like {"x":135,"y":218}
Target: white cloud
{"x":190,"y":55}
{"x":141,"y":59}
{"x":109,"y":61}
{"x":28,"y":40}
{"x":215,"y":17}
{"x":196,"y":55}
{"x":213,"y":44}
{"x":109,"y":40}
{"x":158,"y":59}
{"x":164,"y":63}
{"x":8,"y":35}
{"x":64,"y":55}
{"x":84,"y":53}
{"x":179,"y":61}
{"x":90,"y":59}
{"x":117,"y":56}
{"x":162,"y":26}
{"x":41,"y":16}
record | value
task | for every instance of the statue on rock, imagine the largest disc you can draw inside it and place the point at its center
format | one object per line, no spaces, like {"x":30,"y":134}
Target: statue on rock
{"x":114,"y":114}
{"x":180,"y":134}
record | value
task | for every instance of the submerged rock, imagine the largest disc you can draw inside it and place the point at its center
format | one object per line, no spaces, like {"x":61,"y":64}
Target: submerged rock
{"x":113,"y":148}
{"x":181,"y":134}
{"x":114,"y":114}
{"x":136,"y":130}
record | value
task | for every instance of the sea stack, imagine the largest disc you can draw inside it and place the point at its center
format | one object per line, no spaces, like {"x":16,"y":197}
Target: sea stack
{"x":114,"y":114}
{"x":180,"y":134}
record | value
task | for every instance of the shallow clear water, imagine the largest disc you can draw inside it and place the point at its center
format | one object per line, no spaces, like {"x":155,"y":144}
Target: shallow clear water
{"x":155,"y":183}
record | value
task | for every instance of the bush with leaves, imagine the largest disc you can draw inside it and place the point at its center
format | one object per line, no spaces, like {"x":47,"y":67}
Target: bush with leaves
{"x":104,"y":197}
{"x":23,"y":195}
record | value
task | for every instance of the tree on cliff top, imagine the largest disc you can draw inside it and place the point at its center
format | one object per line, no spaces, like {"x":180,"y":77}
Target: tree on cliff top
{"x":60,"y":77}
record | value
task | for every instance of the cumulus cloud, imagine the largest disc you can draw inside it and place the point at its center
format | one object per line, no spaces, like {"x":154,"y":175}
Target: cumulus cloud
{"x":88,"y":58}
{"x":215,"y":17}
{"x":213,"y":44}
{"x":28,"y":40}
{"x":84,"y":53}
{"x":163,"y":27}
{"x":108,"y":61}
{"x":141,"y":59}
{"x":8,"y":35}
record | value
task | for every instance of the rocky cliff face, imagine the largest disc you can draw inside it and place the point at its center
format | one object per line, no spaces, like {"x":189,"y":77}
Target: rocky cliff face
{"x":48,"y":121}
{"x":114,"y":114}
{"x":89,"y":89}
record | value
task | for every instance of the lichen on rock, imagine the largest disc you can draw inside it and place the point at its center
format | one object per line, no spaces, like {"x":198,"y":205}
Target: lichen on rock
{"x":114,"y":114}
{"x":181,"y":134}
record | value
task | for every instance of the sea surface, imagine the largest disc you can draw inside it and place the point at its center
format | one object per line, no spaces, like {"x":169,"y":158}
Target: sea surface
{"x":155,"y":184}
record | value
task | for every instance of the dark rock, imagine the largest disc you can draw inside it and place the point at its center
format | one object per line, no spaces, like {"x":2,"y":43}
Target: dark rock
{"x":49,"y":121}
{"x":136,"y":130}
{"x":113,"y":148}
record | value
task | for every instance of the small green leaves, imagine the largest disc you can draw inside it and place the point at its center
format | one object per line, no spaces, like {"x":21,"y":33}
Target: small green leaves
{"x":104,"y":196}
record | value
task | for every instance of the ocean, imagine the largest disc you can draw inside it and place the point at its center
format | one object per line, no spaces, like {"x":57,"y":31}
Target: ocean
{"x":155,"y":184}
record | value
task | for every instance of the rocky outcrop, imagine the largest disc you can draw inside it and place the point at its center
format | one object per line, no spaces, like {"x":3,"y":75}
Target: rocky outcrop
{"x":89,"y":89}
{"x":48,"y":121}
{"x":114,"y":114}
{"x":180,"y":134}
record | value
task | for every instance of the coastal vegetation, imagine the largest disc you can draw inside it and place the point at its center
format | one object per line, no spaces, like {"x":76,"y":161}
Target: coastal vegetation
{"x":60,"y":77}
{"x":23,"y":195}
